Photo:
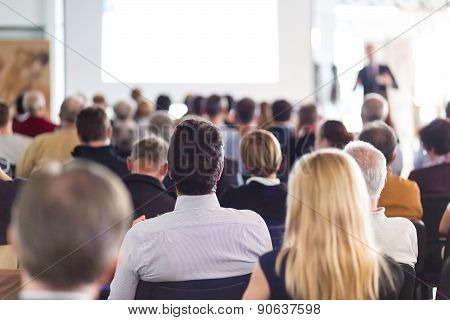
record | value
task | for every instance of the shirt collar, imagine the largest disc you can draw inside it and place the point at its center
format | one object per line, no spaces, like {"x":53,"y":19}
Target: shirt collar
{"x":379,"y":213}
{"x":197,"y":202}
{"x":264,"y":181}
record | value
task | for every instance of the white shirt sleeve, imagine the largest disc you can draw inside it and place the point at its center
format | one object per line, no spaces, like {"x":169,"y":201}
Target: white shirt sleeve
{"x":126,"y":278}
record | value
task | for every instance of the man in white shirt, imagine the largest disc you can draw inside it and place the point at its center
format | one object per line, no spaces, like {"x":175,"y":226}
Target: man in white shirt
{"x":396,"y":237}
{"x":199,"y":239}
{"x":12,"y":145}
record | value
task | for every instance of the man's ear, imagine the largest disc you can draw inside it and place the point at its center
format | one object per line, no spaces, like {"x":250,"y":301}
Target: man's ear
{"x":109,"y":132}
{"x":394,"y":155}
{"x":163,"y":170}
{"x":130,"y":164}
{"x":108,"y":273}
{"x":221,"y":170}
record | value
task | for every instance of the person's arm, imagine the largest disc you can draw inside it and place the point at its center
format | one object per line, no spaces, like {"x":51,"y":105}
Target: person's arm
{"x":394,"y":82}
{"x":258,"y":288}
{"x":358,"y":80}
{"x":444,"y":226}
{"x":4,"y":176}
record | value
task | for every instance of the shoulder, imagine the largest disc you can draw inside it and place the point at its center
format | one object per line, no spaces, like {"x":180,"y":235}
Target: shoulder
{"x":402,"y":224}
{"x":405,"y":183}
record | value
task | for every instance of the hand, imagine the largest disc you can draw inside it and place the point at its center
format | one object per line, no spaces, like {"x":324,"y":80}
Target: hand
{"x":140,"y":219}
{"x":384,"y":79}
{"x":4,"y":176}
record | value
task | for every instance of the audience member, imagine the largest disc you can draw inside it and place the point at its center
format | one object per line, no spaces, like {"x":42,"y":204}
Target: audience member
{"x":35,"y":122}
{"x":400,"y":197}
{"x":161,"y":124}
{"x":263,"y":192}
{"x":53,"y":146}
{"x":125,"y":129}
{"x":199,"y":240}
{"x":148,"y":167}
{"x":143,"y":111}
{"x":99,"y":100}
{"x":12,"y":145}
{"x":198,"y":108}
{"x":94,"y":132}
{"x":435,"y":178}
{"x":8,"y":191}
{"x":319,"y":260}
{"x":444,"y":226}
{"x":265,"y":115}
{"x":332,"y":134}
{"x":67,"y":227}
{"x":386,"y":230}
{"x":308,"y":118}
{"x":163,"y":102}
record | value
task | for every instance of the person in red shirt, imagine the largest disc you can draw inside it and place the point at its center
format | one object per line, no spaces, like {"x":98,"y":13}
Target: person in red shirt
{"x":35,"y":122}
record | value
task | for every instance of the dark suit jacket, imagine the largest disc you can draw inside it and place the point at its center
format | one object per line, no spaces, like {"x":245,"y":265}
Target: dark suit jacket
{"x":8,"y":192}
{"x":285,"y":137}
{"x":103,"y":155}
{"x":149,"y":196}
{"x":229,"y":178}
{"x":268,"y":201}
{"x":304,"y":145}
{"x":435,"y":179}
{"x":368,"y":80}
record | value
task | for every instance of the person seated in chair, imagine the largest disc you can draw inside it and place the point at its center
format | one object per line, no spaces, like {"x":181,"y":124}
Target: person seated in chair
{"x":67,"y":226}
{"x":263,"y":192}
{"x":395,"y":237}
{"x":199,"y":239}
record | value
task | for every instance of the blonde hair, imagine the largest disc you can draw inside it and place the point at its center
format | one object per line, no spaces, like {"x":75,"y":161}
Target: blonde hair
{"x":261,"y":153}
{"x":328,"y":245}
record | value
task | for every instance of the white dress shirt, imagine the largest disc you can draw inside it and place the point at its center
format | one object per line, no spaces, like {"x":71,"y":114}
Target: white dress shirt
{"x":198,"y":240}
{"x":395,"y":237}
{"x":13,"y":146}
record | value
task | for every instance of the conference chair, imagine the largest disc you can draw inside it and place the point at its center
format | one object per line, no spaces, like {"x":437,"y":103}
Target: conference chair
{"x":407,"y":291}
{"x":276,"y":234}
{"x":213,"y":289}
{"x":447,"y":246}
{"x":443,"y":292}
{"x":421,"y":231}
{"x":10,"y":282}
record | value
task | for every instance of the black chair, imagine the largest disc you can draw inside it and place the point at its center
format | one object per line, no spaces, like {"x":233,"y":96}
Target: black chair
{"x":276,"y":234}
{"x":407,"y":291}
{"x":421,"y":231}
{"x":443,"y":292}
{"x":212,"y":289}
{"x":447,"y":246}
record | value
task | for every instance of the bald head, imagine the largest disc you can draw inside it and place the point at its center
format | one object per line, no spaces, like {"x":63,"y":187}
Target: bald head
{"x":375,"y":107}
{"x":70,"y":108}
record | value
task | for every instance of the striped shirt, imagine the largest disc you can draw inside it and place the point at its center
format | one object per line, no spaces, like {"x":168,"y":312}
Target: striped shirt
{"x":198,"y":240}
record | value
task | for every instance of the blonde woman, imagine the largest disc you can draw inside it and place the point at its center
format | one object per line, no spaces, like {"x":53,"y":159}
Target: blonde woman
{"x":262,"y":192}
{"x":328,"y":250}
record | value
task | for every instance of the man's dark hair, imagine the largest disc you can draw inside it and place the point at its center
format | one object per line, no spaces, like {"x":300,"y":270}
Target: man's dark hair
{"x":335,"y":133}
{"x":308,"y":114}
{"x":230,"y":102}
{"x":5,"y":114}
{"x":213,"y":106}
{"x":163,"y":102}
{"x":197,"y":106}
{"x":382,"y":137}
{"x":436,"y":136}
{"x":99,"y":99}
{"x":245,"y":110}
{"x":92,"y":124}
{"x":447,"y":110}
{"x":195,"y":157}
{"x":281,"y":110}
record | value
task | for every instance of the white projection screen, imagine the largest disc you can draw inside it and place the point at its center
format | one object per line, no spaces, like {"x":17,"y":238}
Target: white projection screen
{"x":256,"y":48}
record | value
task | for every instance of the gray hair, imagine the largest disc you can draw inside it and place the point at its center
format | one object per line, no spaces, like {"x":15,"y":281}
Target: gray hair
{"x":372,"y":164}
{"x":69,"y":222}
{"x":375,"y":107}
{"x":151,"y":150}
{"x":34,"y":101}
{"x":123,"y":110}
{"x":70,"y":108}
{"x":161,"y":124}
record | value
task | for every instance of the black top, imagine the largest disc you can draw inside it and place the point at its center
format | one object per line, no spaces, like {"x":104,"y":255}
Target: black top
{"x":434,"y":179}
{"x":277,"y":282}
{"x":268,"y":201}
{"x":103,"y":155}
{"x":285,"y":137}
{"x":8,"y":192}
{"x":304,"y":145}
{"x":369,"y":81}
{"x":149,"y":196}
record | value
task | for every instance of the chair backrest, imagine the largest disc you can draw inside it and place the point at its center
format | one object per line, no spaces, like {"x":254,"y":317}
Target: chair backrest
{"x":212,"y":289}
{"x":421,"y":244}
{"x":447,"y":246}
{"x":10,"y":282}
{"x":443,"y":292}
{"x":434,"y":206}
{"x":8,"y":259}
{"x":409,"y":283}
{"x":276,"y":234}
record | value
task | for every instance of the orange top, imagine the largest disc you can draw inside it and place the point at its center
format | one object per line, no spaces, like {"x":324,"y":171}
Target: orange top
{"x":401,"y":198}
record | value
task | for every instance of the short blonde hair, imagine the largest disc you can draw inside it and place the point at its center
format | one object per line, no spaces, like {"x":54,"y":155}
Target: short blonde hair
{"x":261,"y":153}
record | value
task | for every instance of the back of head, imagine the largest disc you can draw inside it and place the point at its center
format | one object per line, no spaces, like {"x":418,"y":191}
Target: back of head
{"x":382,"y":137}
{"x":335,"y":133}
{"x":327,"y":217}
{"x":308,"y":115}
{"x":196,"y":157}
{"x":68,"y":224}
{"x":99,"y":100}
{"x":260,"y":153}
{"x":245,"y":110}
{"x":213,"y":106}
{"x":197,"y":106}
{"x":435,"y":136}
{"x":92,"y":125}
{"x":70,"y":108}
{"x":123,"y":110}
{"x":375,"y":107}
{"x":34,"y":102}
{"x":161,"y":124}
{"x":5,"y":114}
{"x":163,"y":102}
{"x":152,"y":150}
{"x":281,"y":111}
{"x":372,"y":163}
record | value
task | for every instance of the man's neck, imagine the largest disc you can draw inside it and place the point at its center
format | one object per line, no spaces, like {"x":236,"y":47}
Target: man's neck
{"x":97,"y":144}
{"x":6,"y":130}
{"x":36,"y":286}
{"x":152,"y":174}
{"x":373,"y":205}
{"x":67,"y":125}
